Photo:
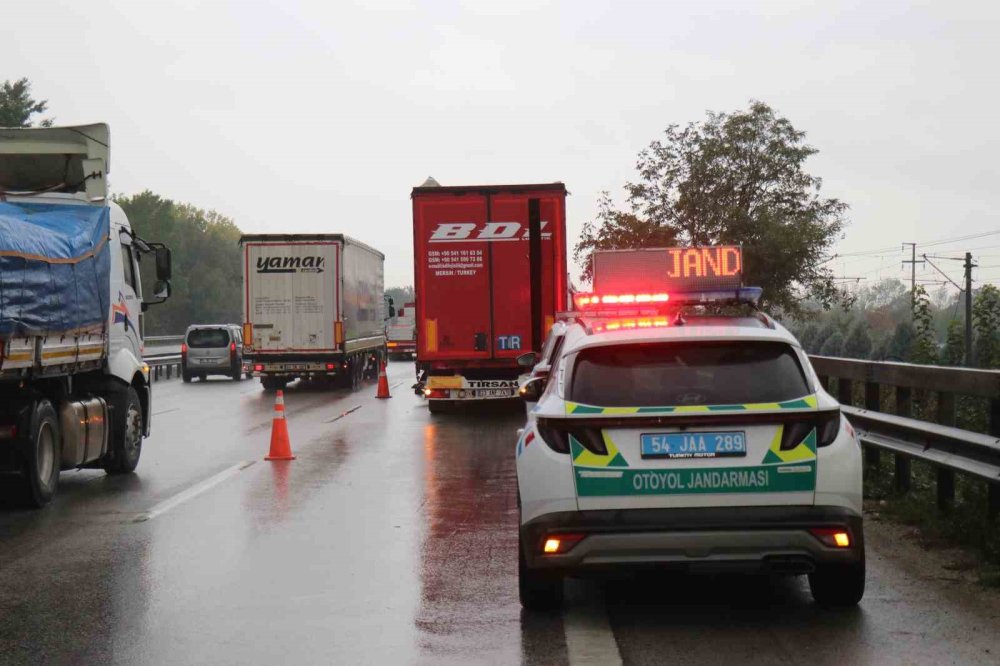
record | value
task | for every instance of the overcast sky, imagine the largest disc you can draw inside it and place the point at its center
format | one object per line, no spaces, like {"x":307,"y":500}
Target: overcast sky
{"x":319,"y":116}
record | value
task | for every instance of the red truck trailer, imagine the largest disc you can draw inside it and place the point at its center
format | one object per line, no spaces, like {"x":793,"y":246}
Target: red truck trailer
{"x":490,"y":275}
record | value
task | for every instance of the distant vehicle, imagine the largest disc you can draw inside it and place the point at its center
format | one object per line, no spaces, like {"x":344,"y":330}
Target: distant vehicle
{"x":401,"y":332}
{"x":314,"y":308}
{"x":669,"y":436}
{"x":490,"y":275}
{"x":74,"y":390}
{"x":212,"y":350}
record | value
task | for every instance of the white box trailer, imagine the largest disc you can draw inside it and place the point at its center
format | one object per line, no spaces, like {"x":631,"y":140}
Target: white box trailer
{"x":313,"y":308}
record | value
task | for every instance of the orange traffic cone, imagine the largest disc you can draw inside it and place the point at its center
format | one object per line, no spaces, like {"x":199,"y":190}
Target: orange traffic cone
{"x":383,"y":384}
{"x":281,"y":448}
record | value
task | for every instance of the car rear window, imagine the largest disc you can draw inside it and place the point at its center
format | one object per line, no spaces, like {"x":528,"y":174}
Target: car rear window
{"x":713,"y":373}
{"x":208,"y":337}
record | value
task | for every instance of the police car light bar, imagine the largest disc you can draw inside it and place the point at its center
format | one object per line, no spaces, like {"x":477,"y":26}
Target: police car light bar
{"x":600,"y":302}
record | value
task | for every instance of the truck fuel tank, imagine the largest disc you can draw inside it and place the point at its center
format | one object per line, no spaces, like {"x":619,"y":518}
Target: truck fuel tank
{"x":84,"y":426}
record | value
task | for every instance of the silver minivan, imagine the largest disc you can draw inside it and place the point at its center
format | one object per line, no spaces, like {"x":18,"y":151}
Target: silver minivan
{"x":212,"y":350}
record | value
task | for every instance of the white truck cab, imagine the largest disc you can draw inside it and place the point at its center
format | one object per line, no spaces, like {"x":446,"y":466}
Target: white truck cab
{"x":75,"y":390}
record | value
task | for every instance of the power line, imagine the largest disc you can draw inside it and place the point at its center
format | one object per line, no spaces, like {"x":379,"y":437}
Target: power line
{"x":934,"y":266}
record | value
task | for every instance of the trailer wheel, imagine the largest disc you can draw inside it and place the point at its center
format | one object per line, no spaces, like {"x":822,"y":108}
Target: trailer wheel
{"x":41,"y":460}
{"x":126,"y":433}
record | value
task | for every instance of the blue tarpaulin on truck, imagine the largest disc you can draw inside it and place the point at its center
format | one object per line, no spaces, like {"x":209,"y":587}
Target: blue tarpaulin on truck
{"x":55,"y":267}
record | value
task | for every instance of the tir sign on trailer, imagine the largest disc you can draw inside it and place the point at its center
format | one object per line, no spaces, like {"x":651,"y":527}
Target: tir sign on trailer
{"x":670,"y":269}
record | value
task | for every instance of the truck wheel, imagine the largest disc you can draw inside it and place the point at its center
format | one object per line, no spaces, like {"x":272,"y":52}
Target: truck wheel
{"x":539,"y":590}
{"x":126,"y":433}
{"x":42,"y":454}
{"x":838,"y":586}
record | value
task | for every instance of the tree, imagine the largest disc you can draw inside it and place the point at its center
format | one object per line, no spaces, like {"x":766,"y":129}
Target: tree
{"x":834,"y":345}
{"x":954,"y":346}
{"x":808,"y":335}
{"x":986,"y":320}
{"x":924,"y":349}
{"x":613,"y":229}
{"x":901,"y":343}
{"x":734,"y":178}
{"x":822,"y":335}
{"x":17,"y":106}
{"x":859,"y":342}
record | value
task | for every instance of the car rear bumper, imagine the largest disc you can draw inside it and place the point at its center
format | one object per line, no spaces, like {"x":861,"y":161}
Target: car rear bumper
{"x":744,"y":539}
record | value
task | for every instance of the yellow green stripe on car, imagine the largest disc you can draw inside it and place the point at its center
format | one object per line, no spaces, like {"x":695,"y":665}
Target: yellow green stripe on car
{"x":808,"y":402}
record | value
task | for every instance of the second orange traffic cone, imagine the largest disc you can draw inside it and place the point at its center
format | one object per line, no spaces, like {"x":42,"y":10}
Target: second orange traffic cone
{"x":383,"y":384}
{"x":281,"y":448}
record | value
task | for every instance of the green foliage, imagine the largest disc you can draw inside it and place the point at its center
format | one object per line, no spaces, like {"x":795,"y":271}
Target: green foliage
{"x":834,"y":345}
{"x":858,"y":343}
{"x":17,"y":106}
{"x":207,"y":275}
{"x":901,"y":343}
{"x":954,"y":346}
{"x":924,"y":348}
{"x":734,"y":178}
{"x":986,"y":321}
{"x":613,"y":229}
{"x":807,"y":335}
{"x":822,"y":335}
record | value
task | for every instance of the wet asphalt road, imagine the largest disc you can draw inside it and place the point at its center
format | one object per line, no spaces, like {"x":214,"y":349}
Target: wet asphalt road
{"x":391,"y":539}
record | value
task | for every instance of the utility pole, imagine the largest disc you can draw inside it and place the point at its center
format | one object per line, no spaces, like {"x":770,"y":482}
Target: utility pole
{"x":913,"y":275}
{"x":968,"y":309}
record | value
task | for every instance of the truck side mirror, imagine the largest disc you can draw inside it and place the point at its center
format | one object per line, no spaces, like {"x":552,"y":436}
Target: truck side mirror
{"x":392,"y":311}
{"x":533,"y":389}
{"x":161,"y":290}
{"x":527,"y":360}
{"x":163,"y":265}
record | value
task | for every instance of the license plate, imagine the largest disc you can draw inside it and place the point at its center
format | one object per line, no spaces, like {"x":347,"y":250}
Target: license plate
{"x":209,"y":361}
{"x":694,"y":445}
{"x":494,"y":393}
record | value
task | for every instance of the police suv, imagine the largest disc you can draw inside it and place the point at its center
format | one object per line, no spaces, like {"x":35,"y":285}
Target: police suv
{"x":681,"y":428}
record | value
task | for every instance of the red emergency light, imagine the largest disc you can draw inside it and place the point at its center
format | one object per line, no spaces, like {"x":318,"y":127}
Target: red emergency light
{"x":590,"y":300}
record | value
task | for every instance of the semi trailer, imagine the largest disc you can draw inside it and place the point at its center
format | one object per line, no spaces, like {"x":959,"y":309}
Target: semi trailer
{"x":490,"y":276}
{"x":313,"y":308}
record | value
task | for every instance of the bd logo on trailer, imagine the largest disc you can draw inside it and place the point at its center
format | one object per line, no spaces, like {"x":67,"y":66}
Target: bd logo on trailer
{"x":452,"y":232}
{"x":290,"y":264}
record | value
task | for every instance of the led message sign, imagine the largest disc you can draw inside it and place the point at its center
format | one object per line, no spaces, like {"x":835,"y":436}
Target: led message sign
{"x":669,"y":269}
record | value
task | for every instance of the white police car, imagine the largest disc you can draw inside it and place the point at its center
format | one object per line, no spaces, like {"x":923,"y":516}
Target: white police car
{"x":670,"y":439}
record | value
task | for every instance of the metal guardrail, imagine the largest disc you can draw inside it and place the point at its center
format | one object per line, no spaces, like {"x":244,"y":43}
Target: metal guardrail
{"x":163,"y":339}
{"x":949,"y":449}
{"x":162,"y":366}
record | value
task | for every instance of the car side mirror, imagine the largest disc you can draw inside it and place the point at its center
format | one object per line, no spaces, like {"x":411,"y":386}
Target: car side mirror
{"x":527,"y":360}
{"x":163,"y":264}
{"x":533,"y":389}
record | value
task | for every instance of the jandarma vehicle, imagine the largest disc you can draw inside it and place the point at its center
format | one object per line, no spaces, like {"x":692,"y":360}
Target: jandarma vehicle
{"x":667,"y":436}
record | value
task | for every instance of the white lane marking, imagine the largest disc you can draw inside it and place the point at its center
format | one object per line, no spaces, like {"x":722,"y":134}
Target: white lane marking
{"x":588,"y":633}
{"x":337,"y":418}
{"x":193,"y":491}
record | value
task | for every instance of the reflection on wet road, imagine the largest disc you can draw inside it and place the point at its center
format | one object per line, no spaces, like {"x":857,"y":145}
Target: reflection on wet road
{"x":390,"y":539}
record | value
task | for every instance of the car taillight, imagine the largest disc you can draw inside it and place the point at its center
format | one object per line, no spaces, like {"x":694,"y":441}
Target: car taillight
{"x":557,"y":544}
{"x":232,"y":349}
{"x":184,"y":349}
{"x":555,"y":439}
{"x":834,"y":537}
{"x":827,"y":425}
